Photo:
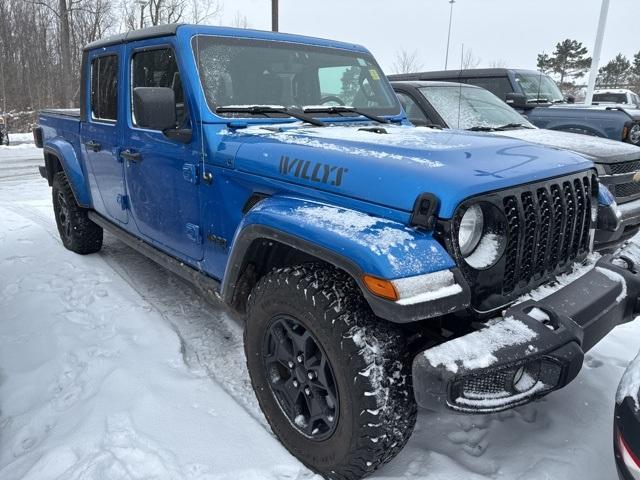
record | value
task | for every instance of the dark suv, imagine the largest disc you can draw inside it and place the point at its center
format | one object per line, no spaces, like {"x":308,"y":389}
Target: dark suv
{"x":537,"y":96}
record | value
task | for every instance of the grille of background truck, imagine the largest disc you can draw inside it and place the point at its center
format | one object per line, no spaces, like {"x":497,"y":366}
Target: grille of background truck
{"x":624,"y":192}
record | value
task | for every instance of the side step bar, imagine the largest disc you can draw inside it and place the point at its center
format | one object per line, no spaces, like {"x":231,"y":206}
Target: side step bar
{"x":205,"y":283}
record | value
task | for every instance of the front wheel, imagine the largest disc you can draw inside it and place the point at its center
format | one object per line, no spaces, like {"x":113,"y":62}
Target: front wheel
{"x":332,"y":379}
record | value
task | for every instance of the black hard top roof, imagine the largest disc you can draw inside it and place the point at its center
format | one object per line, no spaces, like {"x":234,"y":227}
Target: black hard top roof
{"x":471,"y":72}
{"x":428,"y":83}
{"x":133,"y":35}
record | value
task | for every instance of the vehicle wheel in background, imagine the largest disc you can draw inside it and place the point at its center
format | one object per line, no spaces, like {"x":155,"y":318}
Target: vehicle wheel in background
{"x":332,"y":379}
{"x":77,"y":232}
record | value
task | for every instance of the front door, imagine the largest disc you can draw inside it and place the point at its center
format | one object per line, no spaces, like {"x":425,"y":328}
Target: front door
{"x":100,"y":134}
{"x":162,"y":173}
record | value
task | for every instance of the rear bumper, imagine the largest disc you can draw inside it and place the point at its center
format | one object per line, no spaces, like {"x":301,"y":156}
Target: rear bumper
{"x":539,"y":347}
{"x":627,"y":227}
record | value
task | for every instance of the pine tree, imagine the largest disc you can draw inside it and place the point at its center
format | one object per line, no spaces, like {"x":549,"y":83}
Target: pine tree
{"x":570,"y":61}
{"x":544,"y":63}
{"x":615,"y":73}
{"x":634,"y":80}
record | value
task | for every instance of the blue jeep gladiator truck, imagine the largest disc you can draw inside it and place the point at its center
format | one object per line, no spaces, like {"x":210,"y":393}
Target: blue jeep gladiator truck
{"x":378,"y":266}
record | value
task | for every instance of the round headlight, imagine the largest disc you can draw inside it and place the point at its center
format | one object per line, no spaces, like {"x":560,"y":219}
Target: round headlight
{"x":471,"y":229}
{"x":634,"y":134}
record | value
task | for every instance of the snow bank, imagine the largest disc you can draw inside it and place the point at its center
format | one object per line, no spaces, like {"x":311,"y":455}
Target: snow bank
{"x":21,"y":137}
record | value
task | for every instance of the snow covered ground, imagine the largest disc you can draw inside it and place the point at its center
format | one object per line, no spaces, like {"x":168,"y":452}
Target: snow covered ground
{"x":111,"y":368}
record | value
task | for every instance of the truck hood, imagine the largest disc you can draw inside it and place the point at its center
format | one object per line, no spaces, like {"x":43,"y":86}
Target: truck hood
{"x":391,"y":165}
{"x":600,"y":150}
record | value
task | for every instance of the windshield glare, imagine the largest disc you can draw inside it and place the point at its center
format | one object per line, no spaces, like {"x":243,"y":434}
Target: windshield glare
{"x":242,"y":72}
{"x":538,"y":86}
{"x":468,"y":107}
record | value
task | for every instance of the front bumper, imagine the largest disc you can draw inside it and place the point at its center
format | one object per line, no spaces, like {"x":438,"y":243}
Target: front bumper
{"x":627,"y":227}
{"x":539,"y":347}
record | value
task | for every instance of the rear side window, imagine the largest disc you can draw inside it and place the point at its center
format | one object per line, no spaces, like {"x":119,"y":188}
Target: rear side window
{"x":499,"y":86}
{"x":104,"y":88}
{"x":158,"y":68}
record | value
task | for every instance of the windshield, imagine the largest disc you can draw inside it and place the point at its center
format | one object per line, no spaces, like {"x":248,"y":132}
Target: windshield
{"x":242,"y":72}
{"x":469,"y":107}
{"x":539,"y":87}
{"x":610,"y":98}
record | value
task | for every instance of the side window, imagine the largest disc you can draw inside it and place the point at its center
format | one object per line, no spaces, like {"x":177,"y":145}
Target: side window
{"x":499,"y":86}
{"x":104,"y":88}
{"x":414,"y":112}
{"x":158,"y":68}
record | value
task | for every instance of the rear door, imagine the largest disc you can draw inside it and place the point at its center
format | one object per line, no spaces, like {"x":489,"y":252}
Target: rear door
{"x":101,"y":131}
{"x":162,"y":180}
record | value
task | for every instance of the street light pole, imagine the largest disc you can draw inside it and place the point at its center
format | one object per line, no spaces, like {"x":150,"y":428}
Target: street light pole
{"x":274,"y":15}
{"x":597,"y":49}
{"x":446,"y":58}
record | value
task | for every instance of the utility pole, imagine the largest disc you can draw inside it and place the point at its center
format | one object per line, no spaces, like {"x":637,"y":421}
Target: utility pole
{"x":597,"y":50}
{"x":274,"y":15}
{"x":446,"y":58}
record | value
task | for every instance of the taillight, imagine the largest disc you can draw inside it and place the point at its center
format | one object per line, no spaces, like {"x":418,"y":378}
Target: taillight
{"x":628,"y":457}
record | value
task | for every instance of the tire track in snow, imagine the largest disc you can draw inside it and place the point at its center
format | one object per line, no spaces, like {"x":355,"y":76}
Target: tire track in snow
{"x":211,"y":338}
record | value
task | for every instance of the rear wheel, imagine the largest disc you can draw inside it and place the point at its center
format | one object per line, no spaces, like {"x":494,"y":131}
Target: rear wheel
{"x":332,"y":379}
{"x":77,"y":232}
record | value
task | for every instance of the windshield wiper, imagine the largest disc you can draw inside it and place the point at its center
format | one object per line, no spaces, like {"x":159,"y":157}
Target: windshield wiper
{"x":480,"y":128}
{"x":266,"y":110}
{"x":512,"y":126}
{"x":508,"y":126}
{"x":339,"y":109}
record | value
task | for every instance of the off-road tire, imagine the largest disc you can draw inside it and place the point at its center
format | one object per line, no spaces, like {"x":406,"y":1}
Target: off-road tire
{"x":77,"y":232}
{"x":377,"y":410}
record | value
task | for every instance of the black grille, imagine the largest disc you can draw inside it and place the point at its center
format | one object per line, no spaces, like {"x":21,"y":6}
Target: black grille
{"x":546,"y":228}
{"x":626,"y":190}
{"x":624,"y":167}
{"x":565,"y":221}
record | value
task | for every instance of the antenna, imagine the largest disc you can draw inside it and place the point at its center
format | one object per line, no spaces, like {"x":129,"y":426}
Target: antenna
{"x":539,"y":86}
{"x":460,"y":84}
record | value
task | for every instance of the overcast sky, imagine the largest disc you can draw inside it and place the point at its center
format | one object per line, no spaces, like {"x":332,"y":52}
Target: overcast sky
{"x":512,"y":31}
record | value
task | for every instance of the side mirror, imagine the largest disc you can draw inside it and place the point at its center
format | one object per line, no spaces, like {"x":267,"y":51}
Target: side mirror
{"x":154,"y":108}
{"x":570,"y":99}
{"x":517,"y":100}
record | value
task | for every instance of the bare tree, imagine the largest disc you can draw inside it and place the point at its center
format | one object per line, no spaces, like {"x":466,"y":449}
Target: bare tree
{"x":240,"y":21}
{"x":406,"y":62}
{"x":205,"y":11}
{"x":499,"y":63}
{"x":469,"y":60}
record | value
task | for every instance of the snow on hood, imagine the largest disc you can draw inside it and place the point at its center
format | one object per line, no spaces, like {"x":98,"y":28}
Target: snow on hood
{"x":601,"y":150}
{"x":393,"y":168}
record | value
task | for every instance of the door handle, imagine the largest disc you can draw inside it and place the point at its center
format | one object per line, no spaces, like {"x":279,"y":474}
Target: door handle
{"x":93,"y":146}
{"x":130,"y":156}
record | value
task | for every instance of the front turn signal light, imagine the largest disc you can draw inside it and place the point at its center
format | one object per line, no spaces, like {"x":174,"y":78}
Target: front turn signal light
{"x":381,"y":288}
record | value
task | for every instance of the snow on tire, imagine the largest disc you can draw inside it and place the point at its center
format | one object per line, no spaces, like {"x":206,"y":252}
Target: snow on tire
{"x":332,"y":379}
